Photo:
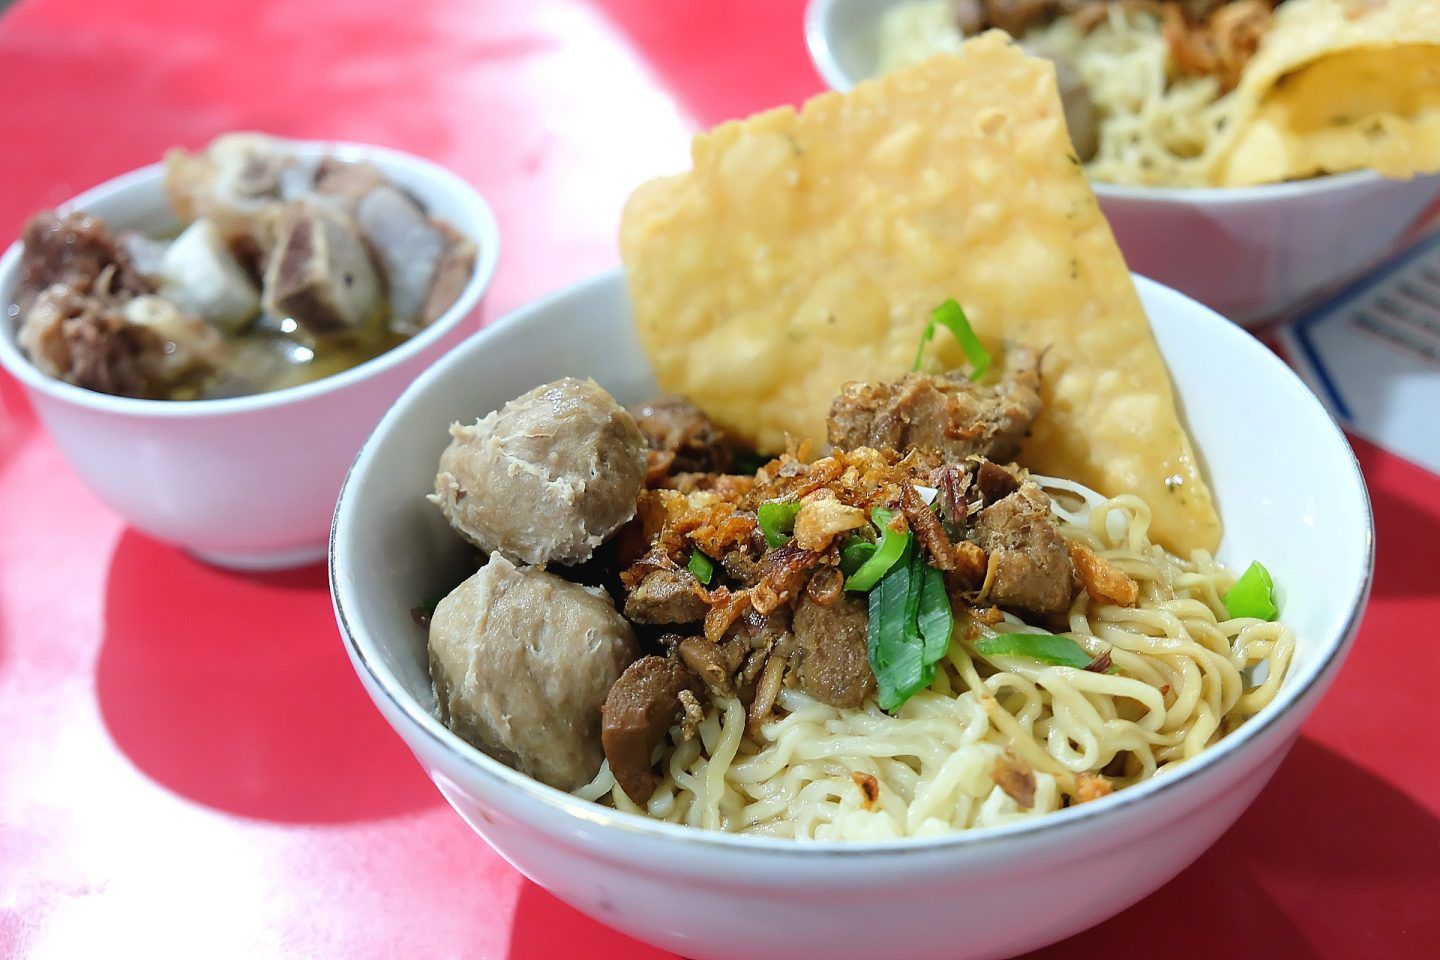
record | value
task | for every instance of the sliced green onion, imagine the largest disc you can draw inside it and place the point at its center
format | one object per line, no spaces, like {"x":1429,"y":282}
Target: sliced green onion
{"x":950,"y":316}
{"x":1045,"y":647}
{"x":777,"y":520}
{"x":909,"y":628}
{"x":1253,"y":595}
{"x":935,"y":618}
{"x":854,"y":554}
{"x":887,"y":553}
{"x":701,"y":567}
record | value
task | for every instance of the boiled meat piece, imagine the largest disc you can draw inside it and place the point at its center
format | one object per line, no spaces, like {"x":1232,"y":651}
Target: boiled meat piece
{"x":319,"y":272}
{"x":73,"y":249}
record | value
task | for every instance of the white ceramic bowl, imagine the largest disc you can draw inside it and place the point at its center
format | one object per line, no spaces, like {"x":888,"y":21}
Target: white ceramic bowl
{"x":248,"y":482}
{"x":1251,"y":253}
{"x":1290,"y":493}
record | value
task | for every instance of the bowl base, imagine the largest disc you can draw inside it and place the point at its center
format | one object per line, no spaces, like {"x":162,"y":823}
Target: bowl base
{"x":274,"y":560}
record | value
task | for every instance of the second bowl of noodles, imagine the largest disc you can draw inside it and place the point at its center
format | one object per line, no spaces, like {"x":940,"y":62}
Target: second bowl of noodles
{"x":1248,"y":224}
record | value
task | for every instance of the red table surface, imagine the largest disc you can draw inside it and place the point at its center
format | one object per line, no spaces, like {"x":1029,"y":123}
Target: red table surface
{"x":188,"y":765}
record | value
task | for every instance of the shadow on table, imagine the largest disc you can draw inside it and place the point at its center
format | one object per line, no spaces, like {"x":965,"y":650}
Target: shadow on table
{"x":234,"y":691}
{"x":1330,"y":861}
{"x":1405,"y":530}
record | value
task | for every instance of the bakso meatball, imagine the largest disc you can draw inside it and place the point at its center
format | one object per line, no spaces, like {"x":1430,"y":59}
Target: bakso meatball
{"x":522,"y":662}
{"x":547,"y":477}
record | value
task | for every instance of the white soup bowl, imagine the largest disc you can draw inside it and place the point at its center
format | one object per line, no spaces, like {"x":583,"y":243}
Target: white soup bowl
{"x":247,"y":482}
{"x":1290,"y":494}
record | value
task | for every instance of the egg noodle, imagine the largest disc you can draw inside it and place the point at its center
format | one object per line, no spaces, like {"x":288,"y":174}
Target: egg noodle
{"x":1155,"y":129}
{"x":1186,"y":675}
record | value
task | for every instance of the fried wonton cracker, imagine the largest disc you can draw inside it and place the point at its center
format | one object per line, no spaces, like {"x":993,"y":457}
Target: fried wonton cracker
{"x":1340,"y":85}
{"x":807,"y":250}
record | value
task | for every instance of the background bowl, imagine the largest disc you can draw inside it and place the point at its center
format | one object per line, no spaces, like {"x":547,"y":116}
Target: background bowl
{"x":1251,"y":253}
{"x":248,"y":482}
{"x":1287,"y":486}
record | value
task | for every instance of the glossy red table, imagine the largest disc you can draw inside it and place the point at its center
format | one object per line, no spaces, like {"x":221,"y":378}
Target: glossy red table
{"x":188,"y":766}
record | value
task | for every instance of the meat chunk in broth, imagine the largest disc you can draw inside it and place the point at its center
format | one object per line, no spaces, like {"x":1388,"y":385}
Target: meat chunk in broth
{"x":426,"y":263}
{"x":237,"y":182}
{"x":944,"y":414}
{"x":522,"y":662}
{"x":74,"y":249}
{"x":1029,"y":565}
{"x":138,"y":347}
{"x":76,"y":338}
{"x":319,"y":274}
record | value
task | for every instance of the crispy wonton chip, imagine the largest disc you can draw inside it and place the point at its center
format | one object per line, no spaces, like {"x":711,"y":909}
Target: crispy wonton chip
{"x":807,"y":250}
{"x":1340,"y":85}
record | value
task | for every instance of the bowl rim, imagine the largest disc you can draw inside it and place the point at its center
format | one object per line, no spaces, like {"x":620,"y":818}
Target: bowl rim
{"x":461,"y":194}
{"x":836,"y":78}
{"x":363,"y":651}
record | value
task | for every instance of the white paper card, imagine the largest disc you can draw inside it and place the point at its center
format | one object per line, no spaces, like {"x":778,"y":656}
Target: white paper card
{"x":1372,"y":355}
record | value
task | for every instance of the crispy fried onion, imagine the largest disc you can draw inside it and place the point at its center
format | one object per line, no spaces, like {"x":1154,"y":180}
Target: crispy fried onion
{"x":1102,"y":579}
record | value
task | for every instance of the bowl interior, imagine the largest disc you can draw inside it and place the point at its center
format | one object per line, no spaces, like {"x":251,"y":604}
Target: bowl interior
{"x":1289,"y":490}
{"x":843,"y":36}
{"x":137,"y":201}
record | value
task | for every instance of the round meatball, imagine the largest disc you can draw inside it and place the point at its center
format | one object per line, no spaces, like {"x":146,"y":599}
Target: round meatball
{"x":547,"y":477}
{"x":522,"y":662}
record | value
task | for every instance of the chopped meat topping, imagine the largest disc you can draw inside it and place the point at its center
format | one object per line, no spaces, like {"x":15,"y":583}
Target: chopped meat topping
{"x":708,"y":662}
{"x":1029,"y":566}
{"x":666,"y":596}
{"x":994,"y":482}
{"x":675,"y":425}
{"x":833,"y":667}
{"x":946,"y":415}
{"x":640,"y":707}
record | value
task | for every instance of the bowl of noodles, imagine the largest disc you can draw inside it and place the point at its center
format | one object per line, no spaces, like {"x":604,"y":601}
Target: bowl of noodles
{"x":865,"y":561}
{"x":1253,"y":155}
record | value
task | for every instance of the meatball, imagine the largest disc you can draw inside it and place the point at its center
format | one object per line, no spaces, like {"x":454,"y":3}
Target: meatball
{"x":522,"y":662}
{"x":547,"y":477}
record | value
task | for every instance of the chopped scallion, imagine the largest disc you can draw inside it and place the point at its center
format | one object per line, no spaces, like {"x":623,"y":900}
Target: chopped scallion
{"x":701,"y":566}
{"x":1253,"y":595}
{"x":854,"y":554}
{"x":909,"y":628}
{"x":1045,"y":647}
{"x":950,"y":316}
{"x":887,"y":553}
{"x":777,"y":520}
